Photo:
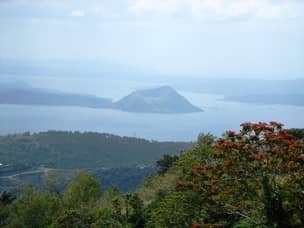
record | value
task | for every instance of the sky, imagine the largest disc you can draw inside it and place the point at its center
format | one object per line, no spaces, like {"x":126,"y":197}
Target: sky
{"x":211,"y":38}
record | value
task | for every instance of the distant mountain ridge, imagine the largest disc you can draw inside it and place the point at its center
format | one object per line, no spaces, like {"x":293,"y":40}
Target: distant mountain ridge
{"x":159,"y":100}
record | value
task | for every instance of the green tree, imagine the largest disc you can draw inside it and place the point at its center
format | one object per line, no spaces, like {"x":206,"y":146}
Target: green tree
{"x":134,"y":210}
{"x":73,"y":218}
{"x":84,"y":190}
{"x":6,"y":198}
{"x":104,"y":217}
{"x":176,"y":209}
{"x":297,"y":133}
{"x":33,"y":209}
{"x":206,"y":139}
{"x":53,"y":183}
{"x":166,"y":163}
{"x":256,"y":174}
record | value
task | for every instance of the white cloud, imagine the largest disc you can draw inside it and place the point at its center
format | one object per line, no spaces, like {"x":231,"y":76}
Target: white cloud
{"x":220,"y":9}
{"x":78,"y":13}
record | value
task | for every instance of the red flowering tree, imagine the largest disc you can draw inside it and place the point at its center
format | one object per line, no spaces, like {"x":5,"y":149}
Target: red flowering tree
{"x":257,"y":174}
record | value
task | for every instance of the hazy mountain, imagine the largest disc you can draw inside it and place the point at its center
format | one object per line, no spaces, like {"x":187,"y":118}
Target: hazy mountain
{"x":30,"y":96}
{"x":92,"y":70}
{"x":160,"y":100}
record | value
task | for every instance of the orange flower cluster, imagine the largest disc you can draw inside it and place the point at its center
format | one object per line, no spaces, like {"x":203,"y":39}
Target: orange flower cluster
{"x":282,"y":136}
{"x":277,"y":150}
{"x":263,"y":142}
{"x":182,"y":184}
{"x":259,"y":156}
{"x":201,"y":167}
{"x":260,"y":127}
{"x":231,"y":133}
{"x":276,"y":124}
{"x":228,"y":163}
{"x":241,"y":161}
{"x":223,"y":144}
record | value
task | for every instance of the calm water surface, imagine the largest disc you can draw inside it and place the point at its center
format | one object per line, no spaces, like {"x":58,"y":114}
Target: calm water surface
{"x":217,"y":117}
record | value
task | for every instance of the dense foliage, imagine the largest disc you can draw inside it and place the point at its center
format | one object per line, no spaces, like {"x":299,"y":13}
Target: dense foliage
{"x":165,"y":163}
{"x":251,"y":178}
{"x":256,"y":174}
{"x":83,"y":204}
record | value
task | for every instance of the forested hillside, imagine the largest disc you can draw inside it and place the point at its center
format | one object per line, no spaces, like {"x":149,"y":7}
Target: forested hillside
{"x":251,"y":178}
{"x":75,"y":150}
{"x":120,"y":161}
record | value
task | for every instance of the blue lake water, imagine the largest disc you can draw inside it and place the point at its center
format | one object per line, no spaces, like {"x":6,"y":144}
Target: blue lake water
{"x":217,"y":117}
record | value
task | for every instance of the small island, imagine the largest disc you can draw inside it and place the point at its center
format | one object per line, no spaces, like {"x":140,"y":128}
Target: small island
{"x":159,"y":100}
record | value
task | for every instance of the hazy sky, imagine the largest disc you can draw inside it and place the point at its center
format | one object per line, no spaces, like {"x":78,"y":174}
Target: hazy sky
{"x":214,"y":38}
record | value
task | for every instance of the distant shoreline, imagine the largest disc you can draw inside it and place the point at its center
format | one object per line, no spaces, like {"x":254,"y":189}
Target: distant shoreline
{"x":269,"y":99}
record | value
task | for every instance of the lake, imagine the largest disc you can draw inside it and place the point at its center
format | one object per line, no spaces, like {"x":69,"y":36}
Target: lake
{"x":217,"y":117}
